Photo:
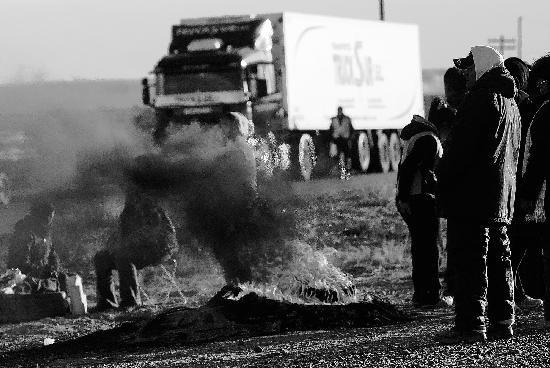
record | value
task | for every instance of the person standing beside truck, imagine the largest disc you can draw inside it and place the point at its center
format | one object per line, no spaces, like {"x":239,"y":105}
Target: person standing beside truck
{"x":341,"y":132}
{"x":477,"y":183}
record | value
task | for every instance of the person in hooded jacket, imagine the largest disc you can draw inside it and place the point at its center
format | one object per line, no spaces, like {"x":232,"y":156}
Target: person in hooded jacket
{"x":476,"y":190}
{"x":525,"y":231}
{"x":537,"y":169}
{"x":415,"y":202}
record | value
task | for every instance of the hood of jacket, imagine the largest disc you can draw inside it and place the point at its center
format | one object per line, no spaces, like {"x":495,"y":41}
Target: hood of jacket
{"x":415,"y":127}
{"x":485,"y":59}
{"x":497,"y":80}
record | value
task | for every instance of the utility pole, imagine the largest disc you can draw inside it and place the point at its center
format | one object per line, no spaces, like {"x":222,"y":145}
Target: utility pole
{"x":520,"y":35}
{"x":503,"y":43}
{"x":382,"y":13}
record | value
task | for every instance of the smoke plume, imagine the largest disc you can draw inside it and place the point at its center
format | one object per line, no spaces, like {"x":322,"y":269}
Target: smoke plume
{"x":209,"y":183}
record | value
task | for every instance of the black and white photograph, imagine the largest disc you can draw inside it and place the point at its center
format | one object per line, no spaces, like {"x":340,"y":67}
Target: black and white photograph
{"x":253,"y":183}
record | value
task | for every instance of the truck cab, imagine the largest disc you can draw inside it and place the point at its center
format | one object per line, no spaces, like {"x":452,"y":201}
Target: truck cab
{"x":215,"y":67}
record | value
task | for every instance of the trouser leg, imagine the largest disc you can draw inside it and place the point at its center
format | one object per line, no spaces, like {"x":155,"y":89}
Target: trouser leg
{"x":500,"y":295}
{"x":129,"y":288}
{"x":471,"y":285}
{"x":530,"y":270}
{"x":518,"y":247}
{"x":451,"y":249}
{"x":104,"y":267}
{"x":424,"y":229}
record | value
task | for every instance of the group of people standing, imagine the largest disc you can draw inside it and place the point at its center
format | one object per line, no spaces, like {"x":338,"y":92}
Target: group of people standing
{"x":478,"y":161}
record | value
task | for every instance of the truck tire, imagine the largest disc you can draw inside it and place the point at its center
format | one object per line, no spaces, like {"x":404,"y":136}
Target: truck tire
{"x":361,"y":152}
{"x":383,"y":147}
{"x":306,"y":156}
{"x":395,"y":151}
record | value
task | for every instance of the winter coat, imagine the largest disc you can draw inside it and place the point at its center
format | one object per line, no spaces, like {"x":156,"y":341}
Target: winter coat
{"x":537,"y":168}
{"x":421,"y":150}
{"x":527,"y":110}
{"x":477,"y":173}
{"x":31,"y":249}
{"x":145,"y":235}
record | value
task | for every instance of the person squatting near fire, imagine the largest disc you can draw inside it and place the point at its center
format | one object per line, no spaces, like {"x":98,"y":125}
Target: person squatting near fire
{"x":537,"y":169}
{"x":477,"y":186}
{"x":341,"y":132}
{"x":526,"y":230}
{"x":32,"y":252}
{"x":443,"y":114}
{"x":145,"y":237}
{"x":416,"y":189}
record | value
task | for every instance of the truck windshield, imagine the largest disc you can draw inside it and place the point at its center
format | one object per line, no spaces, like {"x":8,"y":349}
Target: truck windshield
{"x":203,"y":82}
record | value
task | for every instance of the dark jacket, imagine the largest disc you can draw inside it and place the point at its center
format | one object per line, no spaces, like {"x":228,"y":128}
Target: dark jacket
{"x":146,"y":236}
{"x":31,"y":249}
{"x":421,"y":151}
{"x":537,"y":168}
{"x":477,"y":174}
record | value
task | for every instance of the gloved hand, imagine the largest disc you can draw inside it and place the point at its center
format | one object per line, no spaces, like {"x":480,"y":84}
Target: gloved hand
{"x":404,"y":208}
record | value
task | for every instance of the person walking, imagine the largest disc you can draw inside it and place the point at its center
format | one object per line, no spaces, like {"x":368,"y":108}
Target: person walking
{"x":415,"y":200}
{"x":477,"y":188}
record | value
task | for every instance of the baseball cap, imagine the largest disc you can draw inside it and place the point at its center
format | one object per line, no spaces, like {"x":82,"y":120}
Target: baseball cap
{"x":464,"y":63}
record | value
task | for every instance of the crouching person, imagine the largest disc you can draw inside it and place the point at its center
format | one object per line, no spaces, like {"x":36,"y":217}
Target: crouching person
{"x":31,"y":249}
{"x":145,"y":237}
{"x":416,"y":187}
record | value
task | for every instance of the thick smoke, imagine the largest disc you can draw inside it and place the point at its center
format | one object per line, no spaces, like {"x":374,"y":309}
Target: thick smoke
{"x":210,"y":184}
{"x":61,"y":149}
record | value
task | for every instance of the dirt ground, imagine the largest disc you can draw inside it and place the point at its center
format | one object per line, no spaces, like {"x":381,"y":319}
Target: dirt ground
{"x":357,"y":220}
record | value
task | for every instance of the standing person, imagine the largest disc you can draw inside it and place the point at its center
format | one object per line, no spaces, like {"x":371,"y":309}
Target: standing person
{"x":477,"y":187}
{"x":445,"y":119}
{"x":145,"y":237}
{"x":525,"y":230}
{"x":537,"y":170}
{"x":341,"y":131}
{"x":31,"y":248}
{"x":416,"y":187}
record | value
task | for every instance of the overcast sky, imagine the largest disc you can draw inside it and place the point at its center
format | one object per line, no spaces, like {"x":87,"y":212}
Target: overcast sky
{"x":68,"y":39}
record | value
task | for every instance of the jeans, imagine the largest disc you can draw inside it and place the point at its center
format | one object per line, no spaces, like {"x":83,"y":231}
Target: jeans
{"x":526,"y":241}
{"x":485,"y":280}
{"x":452,"y":246}
{"x":424,"y":231}
{"x":105,"y":263}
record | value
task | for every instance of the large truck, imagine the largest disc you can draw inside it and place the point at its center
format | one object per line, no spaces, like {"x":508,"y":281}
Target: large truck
{"x":288,"y":73}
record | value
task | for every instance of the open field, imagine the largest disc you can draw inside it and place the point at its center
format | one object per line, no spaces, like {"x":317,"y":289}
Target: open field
{"x":355,"y":222}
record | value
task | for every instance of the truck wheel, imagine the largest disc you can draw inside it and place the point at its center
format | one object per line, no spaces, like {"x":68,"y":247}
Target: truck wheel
{"x":395,"y":151}
{"x":383,"y":152}
{"x":306,"y":156}
{"x":362,"y":153}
